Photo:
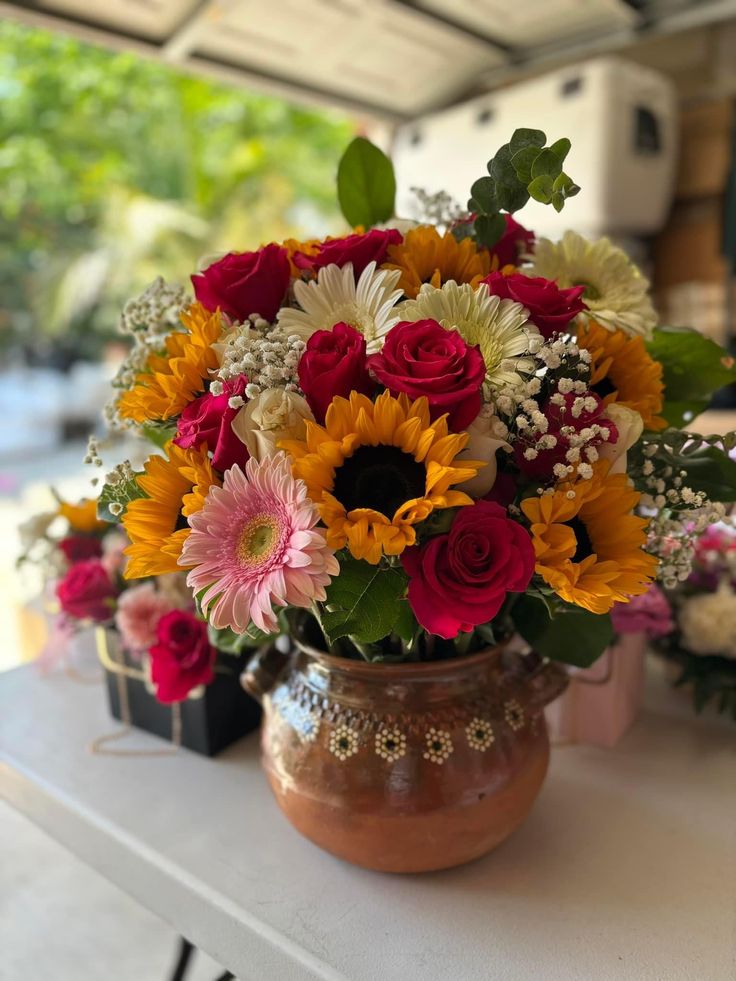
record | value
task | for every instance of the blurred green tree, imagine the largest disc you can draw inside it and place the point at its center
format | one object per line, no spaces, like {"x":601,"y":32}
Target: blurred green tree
{"x":114,"y":168}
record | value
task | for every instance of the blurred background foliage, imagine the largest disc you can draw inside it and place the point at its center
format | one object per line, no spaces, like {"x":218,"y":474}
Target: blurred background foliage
{"x":114,"y":169}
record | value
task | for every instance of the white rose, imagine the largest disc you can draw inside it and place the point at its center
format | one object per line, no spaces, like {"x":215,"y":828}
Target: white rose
{"x":630,"y":426}
{"x":487,"y":435}
{"x":708,"y":622}
{"x":270,"y":417}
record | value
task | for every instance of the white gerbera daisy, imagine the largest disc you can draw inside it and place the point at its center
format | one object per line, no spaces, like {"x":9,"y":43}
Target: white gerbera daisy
{"x":616,"y":294}
{"x":501,"y":328}
{"x":334,"y":297}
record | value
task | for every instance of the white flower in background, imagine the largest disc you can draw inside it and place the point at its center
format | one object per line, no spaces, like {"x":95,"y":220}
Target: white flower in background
{"x":486,"y":434}
{"x":334,"y":297}
{"x":273,"y":415}
{"x":708,"y":622}
{"x":616,"y":293}
{"x":501,"y":328}
{"x":630,"y":426}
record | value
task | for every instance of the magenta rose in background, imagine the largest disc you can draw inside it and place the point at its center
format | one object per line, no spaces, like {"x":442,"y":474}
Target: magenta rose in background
{"x":550,"y":308}
{"x":649,"y":613}
{"x":182,"y":656}
{"x":208,"y":419}
{"x":423,"y":358}
{"x":86,"y":592}
{"x":334,"y":363}
{"x":460,"y":580}
{"x":360,"y":249}
{"x":242,"y":283}
{"x":77,"y":548}
{"x":514,"y":243}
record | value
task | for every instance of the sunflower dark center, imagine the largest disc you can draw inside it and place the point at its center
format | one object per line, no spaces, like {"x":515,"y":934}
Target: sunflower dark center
{"x":379,"y":477}
{"x":604,"y":387}
{"x":584,"y":544}
{"x":181,"y":522}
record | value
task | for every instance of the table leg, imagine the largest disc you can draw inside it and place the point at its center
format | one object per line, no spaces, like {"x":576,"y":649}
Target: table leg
{"x":185,"y":955}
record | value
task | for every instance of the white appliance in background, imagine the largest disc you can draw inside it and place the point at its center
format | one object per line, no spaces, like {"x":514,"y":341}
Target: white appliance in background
{"x":621,"y":118}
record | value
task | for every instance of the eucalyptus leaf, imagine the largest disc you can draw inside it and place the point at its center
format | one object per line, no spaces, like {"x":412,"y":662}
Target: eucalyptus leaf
{"x":512,"y":198}
{"x":522,"y":162}
{"x":561,"y":148}
{"x":546,"y":164}
{"x":489,"y":228}
{"x":501,"y":168}
{"x":523,"y":138}
{"x":366,"y":184}
{"x":483,"y":193}
{"x":541,"y":189}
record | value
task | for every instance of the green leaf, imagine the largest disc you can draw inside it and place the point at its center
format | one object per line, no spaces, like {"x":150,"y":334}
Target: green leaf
{"x":710,"y":470}
{"x":489,"y":229}
{"x":512,"y":198}
{"x":406,"y":623}
{"x":366,"y":185}
{"x":227,"y":641}
{"x":694,"y":365}
{"x":501,"y":168}
{"x":541,"y":189}
{"x":574,"y":635}
{"x":561,"y":148}
{"x":483,"y":193}
{"x":679,"y":414}
{"x":547,"y":164}
{"x":558,"y":201}
{"x":363,"y":602}
{"x":121,"y":493}
{"x":158,"y":433}
{"x":523,"y":138}
{"x":522,"y":162}
{"x":572,"y":190}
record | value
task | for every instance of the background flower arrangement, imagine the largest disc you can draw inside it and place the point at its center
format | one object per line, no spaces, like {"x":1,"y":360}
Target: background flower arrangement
{"x":412,"y":440}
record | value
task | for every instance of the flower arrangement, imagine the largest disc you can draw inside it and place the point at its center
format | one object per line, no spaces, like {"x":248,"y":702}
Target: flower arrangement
{"x":412,"y":440}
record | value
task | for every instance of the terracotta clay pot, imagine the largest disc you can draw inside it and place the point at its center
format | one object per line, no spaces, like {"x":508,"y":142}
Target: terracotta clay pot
{"x":404,"y":767}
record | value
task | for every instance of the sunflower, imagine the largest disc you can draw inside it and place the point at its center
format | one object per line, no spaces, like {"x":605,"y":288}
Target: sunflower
{"x":425,"y":256}
{"x":616,"y":294}
{"x":173,"y":379}
{"x":376,"y":469}
{"x":176,"y":486}
{"x":82,"y":516}
{"x":623,"y":371}
{"x":309,"y":247}
{"x":589,"y":545}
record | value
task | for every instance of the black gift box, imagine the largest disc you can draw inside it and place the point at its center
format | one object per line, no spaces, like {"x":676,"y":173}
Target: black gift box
{"x":206,"y":722}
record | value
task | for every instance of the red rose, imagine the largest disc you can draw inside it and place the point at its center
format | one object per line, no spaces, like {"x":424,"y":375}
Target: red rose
{"x":334,"y":363}
{"x":208,"y":419}
{"x":86,"y":592}
{"x":77,"y":548}
{"x":360,"y":249}
{"x":514,"y":242}
{"x":538,"y":463}
{"x":242,"y":283}
{"x":550,"y":307}
{"x":423,"y":358}
{"x":460,"y":580}
{"x":182,"y":657}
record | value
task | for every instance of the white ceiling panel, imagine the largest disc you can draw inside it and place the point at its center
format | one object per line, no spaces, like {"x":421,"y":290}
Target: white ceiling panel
{"x":154,"y":19}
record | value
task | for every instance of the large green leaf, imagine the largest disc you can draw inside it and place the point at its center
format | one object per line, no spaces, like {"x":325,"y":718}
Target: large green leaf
{"x":694,"y":365}
{"x":711,"y":471}
{"x":363,"y":602}
{"x":573,"y":635}
{"x":366,"y":185}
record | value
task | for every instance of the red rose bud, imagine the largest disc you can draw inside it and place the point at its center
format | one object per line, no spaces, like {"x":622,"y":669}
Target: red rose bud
{"x":460,"y":580}
{"x":86,"y":592}
{"x":360,"y":249}
{"x":538,"y":464}
{"x":208,"y":420}
{"x":423,"y":358}
{"x":514,"y":243}
{"x":182,"y":657}
{"x":550,"y":308}
{"x":77,"y":548}
{"x":334,"y":363}
{"x":242,"y":283}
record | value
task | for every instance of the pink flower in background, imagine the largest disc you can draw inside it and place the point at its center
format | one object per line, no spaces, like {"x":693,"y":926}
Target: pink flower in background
{"x":86,"y":592}
{"x":514,"y":242}
{"x":76,"y":548}
{"x":113,"y":553}
{"x":254,"y":545}
{"x":139,"y":612}
{"x":649,"y":613}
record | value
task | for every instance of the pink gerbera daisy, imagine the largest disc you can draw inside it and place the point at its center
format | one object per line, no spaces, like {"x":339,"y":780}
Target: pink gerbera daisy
{"x":254,"y":545}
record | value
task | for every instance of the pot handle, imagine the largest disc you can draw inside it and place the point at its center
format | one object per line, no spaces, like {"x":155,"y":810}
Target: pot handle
{"x":544,"y":680}
{"x":263,"y":671}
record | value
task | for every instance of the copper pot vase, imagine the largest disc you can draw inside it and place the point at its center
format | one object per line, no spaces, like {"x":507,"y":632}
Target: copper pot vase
{"x":404,"y":767}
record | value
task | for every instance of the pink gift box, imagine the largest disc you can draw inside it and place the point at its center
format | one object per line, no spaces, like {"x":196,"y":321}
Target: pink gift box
{"x":601,"y":701}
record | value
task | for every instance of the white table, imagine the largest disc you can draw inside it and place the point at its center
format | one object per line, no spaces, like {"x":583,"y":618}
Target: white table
{"x":625,"y":870}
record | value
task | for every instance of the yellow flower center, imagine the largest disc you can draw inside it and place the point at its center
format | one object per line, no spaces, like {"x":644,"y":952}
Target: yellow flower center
{"x":258,"y":540}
